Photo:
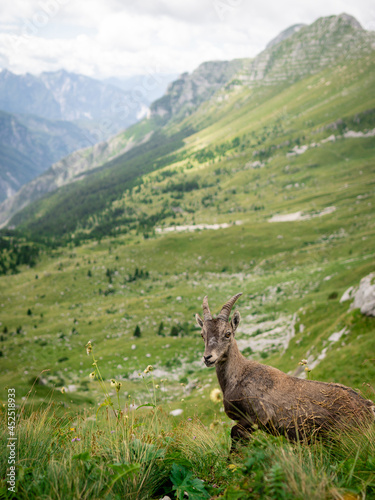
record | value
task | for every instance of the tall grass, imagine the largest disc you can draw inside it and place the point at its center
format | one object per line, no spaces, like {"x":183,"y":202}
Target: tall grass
{"x":70,"y":456}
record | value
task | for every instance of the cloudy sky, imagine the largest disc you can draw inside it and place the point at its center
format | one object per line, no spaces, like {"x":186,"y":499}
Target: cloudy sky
{"x":103,"y":38}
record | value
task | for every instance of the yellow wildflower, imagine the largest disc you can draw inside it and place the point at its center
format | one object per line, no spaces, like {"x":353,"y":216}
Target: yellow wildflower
{"x":215,"y":395}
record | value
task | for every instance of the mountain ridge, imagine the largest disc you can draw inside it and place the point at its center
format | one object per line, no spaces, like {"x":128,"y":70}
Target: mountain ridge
{"x":69,"y":169}
{"x":29,"y":144}
{"x":189,"y":90}
{"x":100,"y":107}
{"x":285,"y":34}
{"x":310,"y":49}
{"x":177,"y":107}
{"x":58,"y":112}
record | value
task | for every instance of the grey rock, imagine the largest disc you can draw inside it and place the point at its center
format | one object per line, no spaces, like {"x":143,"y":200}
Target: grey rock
{"x":349,"y":294}
{"x":364,"y":296}
{"x":309,"y":49}
{"x":186,"y":93}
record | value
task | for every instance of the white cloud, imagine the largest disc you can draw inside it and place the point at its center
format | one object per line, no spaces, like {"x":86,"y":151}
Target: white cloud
{"x":117,"y":38}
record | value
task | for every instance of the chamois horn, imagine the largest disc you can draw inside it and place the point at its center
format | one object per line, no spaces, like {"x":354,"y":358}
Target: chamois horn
{"x":226,"y":309}
{"x":207,"y":316}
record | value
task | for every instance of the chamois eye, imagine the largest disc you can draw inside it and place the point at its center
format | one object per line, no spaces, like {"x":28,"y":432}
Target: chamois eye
{"x":227,"y":335}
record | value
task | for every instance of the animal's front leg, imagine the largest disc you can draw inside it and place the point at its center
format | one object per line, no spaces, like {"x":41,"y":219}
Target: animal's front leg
{"x":240,"y":432}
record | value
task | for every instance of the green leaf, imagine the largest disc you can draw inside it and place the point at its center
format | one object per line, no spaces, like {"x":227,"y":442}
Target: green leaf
{"x":84,"y":456}
{"x":147,"y":404}
{"x":123,"y":470}
{"x":233,"y":493}
{"x":183,"y":481}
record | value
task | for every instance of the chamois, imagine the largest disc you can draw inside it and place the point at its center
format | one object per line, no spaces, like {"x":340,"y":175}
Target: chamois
{"x":260,"y":396}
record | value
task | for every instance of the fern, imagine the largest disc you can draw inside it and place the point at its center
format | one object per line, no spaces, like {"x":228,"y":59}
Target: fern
{"x":183,"y":481}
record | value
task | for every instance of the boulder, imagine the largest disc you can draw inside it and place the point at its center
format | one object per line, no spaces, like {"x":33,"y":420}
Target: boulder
{"x":364,"y":295}
{"x":349,"y":294}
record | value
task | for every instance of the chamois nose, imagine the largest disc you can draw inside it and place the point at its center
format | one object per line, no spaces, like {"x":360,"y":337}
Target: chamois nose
{"x":206,"y":358}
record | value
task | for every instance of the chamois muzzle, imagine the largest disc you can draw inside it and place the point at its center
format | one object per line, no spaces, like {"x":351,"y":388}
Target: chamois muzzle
{"x":226,"y":309}
{"x":207,"y":360}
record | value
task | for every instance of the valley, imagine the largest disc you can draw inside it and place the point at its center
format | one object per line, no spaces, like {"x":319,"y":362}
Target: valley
{"x":262,"y":188}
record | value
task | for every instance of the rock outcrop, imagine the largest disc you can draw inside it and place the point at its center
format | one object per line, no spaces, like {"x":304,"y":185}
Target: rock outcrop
{"x":310,"y":49}
{"x":187,"y":92}
{"x":364,"y":295}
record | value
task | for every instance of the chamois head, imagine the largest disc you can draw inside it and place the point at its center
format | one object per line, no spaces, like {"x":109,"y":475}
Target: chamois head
{"x":218,"y":333}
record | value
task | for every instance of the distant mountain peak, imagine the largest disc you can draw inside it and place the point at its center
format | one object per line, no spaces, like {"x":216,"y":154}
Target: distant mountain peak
{"x":191,"y":89}
{"x":299,"y":52}
{"x":347,"y":19}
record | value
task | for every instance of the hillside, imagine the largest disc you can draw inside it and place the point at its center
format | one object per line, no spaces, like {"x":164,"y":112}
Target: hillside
{"x":219,"y":83}
{"x":69,"y":169}
{"x":261,"y":187}
{"x":310,"y":49}
{"x":265,"y":190}
{"x":186,"y":93}
{"x":45,"y":118}
{"x":98,"y":106}
{"x":29,"y":145}
{"x":236,"y":135}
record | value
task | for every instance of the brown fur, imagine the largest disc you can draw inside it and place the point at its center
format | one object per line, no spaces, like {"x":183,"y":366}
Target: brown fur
{"x":257,"y":395}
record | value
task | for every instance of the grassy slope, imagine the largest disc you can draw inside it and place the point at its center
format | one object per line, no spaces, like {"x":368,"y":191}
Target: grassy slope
{"x":288,"y":269}
{"x":261,"y":119}
{"x":282,"y":268}
{"x":149,"y":456}
{"x":338,"y":174}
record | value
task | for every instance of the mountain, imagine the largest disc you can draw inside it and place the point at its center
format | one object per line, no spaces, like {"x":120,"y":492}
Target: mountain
{"x":27,"y":94}
{"x":309,"y":49}
{"x":29,"y":145}
{"x":69,"y":169}
{"x":46,"y":117}
{"x":297,"y":51}
{"x":284,"y":35}
{"x":187,"y":92}
{"x":193,"y":103}
{"x":101,"y":108}
{"x":266,"y":190}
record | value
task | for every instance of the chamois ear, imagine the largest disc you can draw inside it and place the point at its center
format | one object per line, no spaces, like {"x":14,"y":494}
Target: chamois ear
{"x":199,"y":320}
{"x":235,"y":320}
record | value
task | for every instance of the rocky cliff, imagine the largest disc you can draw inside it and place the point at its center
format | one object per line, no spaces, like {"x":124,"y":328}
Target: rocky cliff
{"x":190,"y":90}
{"x":310,"y":49}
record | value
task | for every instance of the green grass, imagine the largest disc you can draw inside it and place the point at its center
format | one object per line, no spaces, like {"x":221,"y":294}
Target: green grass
{"x":261,"y":124}
{"x":292,"y":275}
{"x":149,"y":454}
